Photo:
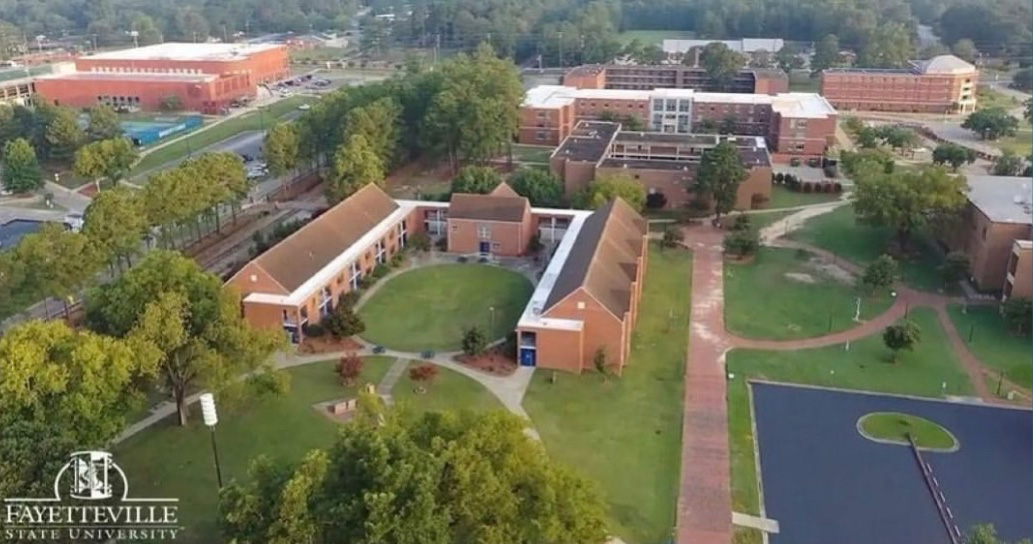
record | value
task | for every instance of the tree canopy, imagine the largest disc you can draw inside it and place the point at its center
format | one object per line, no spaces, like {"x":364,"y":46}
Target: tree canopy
{"x":953,"y":154}
{"x":476,"y":179}
{"x":108,"y":160}
{"x":356,"y":164}
{"x":719,"y":175}
{"x":439,"y":478}
{"x":21,"y":172}
{"x":609,"y":187}
{"x":907,"y":200}
{"x":991,"y":123}
{"x":539,"y":186}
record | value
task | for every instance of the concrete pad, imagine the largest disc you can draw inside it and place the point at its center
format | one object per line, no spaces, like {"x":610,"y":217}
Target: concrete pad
{"x":754,"y":522}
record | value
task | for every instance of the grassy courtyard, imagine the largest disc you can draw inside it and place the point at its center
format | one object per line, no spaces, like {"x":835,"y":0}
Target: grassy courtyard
{"x":625,"y":433}
{"x":428,"y":308}
{"x":169,"y":461}
{"x":865,"y":366}
{"x":995,"y":345}
{"x":895,"y":427}
{"x":449,"y":391}
{"x":785,"y":294}
{"x":838,"y":232}
{"x":781,"y":197}
{"x":532,"y":153}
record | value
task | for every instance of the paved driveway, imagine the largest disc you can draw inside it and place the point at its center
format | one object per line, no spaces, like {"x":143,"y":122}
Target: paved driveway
{"x":824,"y":483}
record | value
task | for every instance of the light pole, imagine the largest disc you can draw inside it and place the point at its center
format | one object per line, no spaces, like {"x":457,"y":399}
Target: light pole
{"x":491,"y":310}
{"x":136,"y":37}
{"x":210,"y":419}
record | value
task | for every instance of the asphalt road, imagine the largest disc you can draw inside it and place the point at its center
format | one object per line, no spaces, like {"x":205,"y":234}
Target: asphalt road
{"x":823,"y":482}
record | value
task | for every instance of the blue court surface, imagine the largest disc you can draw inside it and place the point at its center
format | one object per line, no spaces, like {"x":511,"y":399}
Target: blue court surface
{"x":825,"y":483}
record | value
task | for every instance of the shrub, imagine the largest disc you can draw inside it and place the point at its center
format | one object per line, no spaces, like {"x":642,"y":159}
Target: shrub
{"x":780,"y":177}
{"x":742,"y":222}
{"x":881,"y":273}
{"x":806,"y":186}
{"x":397,"y":259}
{"x":672,"y":237}
{"x":419,"y":241}
{"x":474,"y":341}
{"x":600,"y":362}
{"x":442,"y":243}
{"x":313,"y":330}
{"x":423,"y":373}
{"x":344,"y":322}
{"x":349,"y":367}
{"x":901,"y":336}
{"x":655,"y":201}
{"x":349,"y":298}
{"x":742,"y":243}
{"x":380,"y":271}
{"x":1018,"y":313}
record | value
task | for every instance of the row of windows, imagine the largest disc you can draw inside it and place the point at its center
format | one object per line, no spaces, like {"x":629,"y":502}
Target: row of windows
{"x":119,"y":99}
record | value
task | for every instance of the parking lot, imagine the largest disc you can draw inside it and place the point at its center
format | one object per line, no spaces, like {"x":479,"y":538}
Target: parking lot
{"x":823,"y":482}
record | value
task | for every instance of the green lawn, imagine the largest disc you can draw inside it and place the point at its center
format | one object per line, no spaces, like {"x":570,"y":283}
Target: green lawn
{"x":782,"y":197}
{"x":800,"y":81}
{"x":838,"y":232}
{"x":995,"y":345}
{"x":762,"y":220}
{"x":625,"y":433}
{"x":800,"y":299}
{"x":449,"y":391}
{"x":1020,"y":144}
{"x":215,"y":134}
{"x":428,"y":308}
{"x":865,"y":367}
{"x":169,"y":461}
{"x":989,"y":98}
{"x":654,"y":36}
{"x":532,"y":153}
{"x":895,"y":426}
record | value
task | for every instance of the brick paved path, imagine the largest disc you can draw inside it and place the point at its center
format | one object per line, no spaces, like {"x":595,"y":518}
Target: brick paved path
{"x":705,"y":497}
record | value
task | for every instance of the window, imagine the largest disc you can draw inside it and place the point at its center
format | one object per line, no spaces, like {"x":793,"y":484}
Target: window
{"x":355,"y":276}
{"x":495,"y":246}
{"x":403,"y":234}
{"x":381,"y":252}
{"x":483,"y":232}
{"x":540,"y":135}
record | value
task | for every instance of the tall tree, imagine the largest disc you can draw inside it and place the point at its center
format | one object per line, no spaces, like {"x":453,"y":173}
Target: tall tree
{"x":387,"y":479}
{"x":718,"y":178}
{"x":720,"y":62}
{"x":953,"y":154}
{"x":379,"y":123}
{"x":104,"y":123}
{"x":907,"y":200}
{"x":64,"y":136}
{"x":57,"y":262}
{"x":1008,"y":164}
{"x":63,"y":390}
{"x":356,"y":164}
{"x":182,"y":317}
{"x":476,"y":180}
{"x":607,"y":188}
{"x":789,"y":57}
{"x":106,"y":160}
{"x":991,"y":123}
{"x":116,"y":221}
{"x":539,"y":186}
{"x":20,"y":172}
{"x":826,"y":53}
{"x":965,"y":49}
{"x":889,"y":46}
{"x":901,"y":336}
{"x":281,"y":148}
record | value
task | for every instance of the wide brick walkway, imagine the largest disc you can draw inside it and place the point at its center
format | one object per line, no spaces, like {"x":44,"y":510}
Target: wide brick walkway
{"x":705,"y":497}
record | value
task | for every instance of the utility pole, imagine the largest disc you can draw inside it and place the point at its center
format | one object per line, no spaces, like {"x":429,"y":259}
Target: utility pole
{"x":561,"y":48}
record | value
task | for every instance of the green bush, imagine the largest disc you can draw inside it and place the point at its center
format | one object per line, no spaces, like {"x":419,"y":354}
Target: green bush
{"x":344,"y":322}
{"x":380,"y":271}
{"x":314,"y":330}
{"x":397,"y":259}
{"x":742,"y":222}
{"x":349,"y":299}
{"x":474,"y":341}
{"x":742,"y":243}
{"x":419,"y":241}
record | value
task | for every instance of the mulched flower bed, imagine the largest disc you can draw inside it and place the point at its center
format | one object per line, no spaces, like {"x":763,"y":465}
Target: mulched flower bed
{"x":492,"y":361}
{"x":328,"y":344}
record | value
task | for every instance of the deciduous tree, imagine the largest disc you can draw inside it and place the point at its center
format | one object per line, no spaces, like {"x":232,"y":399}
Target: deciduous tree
{"x":281,"y":148}
{"x":956,"y":267}
{"x":907,"y":200}
{"x":356,"y":164}
{"x":539,"y":186}
{"x":107,"y":160}
{"x":1018,"y":313}
{"x":718,"y":178}
{"x":720,"y":62}
{"x":103,"y":124}
{"x":21,"y":171}
{"x":953,"y":154}
{"x":116,"y":222}
{"x":609,"y":187}
{"x":175,"y":312}
{"x":386,"y":479}
{"x":1008,"y":164}
{"x":826,"y":53}
{"x":965,"y":50}
{"x":474,"y":341}
{"x":57,"y":262}
{"x":476,"y":180}
{"x":901,"y":336}
{"x":64,"y":136}
{"x":991,"y":123}
{"x":349,"y":368}
{"x":380,"y":124}
{"x":880,"y":274}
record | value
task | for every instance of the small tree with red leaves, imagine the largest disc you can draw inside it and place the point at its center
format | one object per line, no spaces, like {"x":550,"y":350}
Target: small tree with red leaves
{"x":424,"y":373}
{"x":349,"y":368}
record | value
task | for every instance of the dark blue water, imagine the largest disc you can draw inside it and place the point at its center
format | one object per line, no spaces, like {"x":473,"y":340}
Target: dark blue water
{"x":12,"y":232}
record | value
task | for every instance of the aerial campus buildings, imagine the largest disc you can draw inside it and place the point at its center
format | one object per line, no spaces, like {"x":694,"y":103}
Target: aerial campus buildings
{"x":943,"y":84}
{"x":203,"y":77}
{"x":586,"y":298}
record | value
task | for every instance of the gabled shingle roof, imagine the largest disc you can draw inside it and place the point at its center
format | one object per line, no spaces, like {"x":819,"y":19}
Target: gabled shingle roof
{"x":487,"y":207}
{"x":302,"y":254}
{"x":503,"y":189}
{"x":604,"y":258}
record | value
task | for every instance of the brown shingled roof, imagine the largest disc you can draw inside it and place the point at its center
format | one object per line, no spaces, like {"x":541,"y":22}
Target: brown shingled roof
{"x":299,"y":256}
{"x":503,"y":189}
{"x":603,"y":259}
{"x":487,"y":207}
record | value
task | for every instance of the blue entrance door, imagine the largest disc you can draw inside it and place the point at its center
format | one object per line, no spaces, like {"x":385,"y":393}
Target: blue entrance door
{"x":527,"y":357}
{"x":485,"y":247}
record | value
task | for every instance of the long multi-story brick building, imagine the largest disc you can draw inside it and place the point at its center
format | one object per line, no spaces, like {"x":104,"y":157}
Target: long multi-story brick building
{"x":793,"y":124}
{"x":662,"y":163}
{"x":674,"y":76}
{"x":585,"y":301}
{"x":943,"y":84}
{"x":203,"y":77}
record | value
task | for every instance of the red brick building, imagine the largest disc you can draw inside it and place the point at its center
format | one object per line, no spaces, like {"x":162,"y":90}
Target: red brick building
{"x":673,"y":76}
{"x":205,"y":77}
{"x":662,"y":163}
{"x":793,"y":124}
{"x":585,"y":301}
{"x":943,"y":84}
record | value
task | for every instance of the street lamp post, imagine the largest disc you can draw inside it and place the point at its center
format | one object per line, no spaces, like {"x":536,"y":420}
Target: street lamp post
{"x":211,"y":418}
{"x":491,"y":309}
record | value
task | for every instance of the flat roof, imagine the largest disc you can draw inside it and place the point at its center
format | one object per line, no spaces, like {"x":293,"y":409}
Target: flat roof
{"x":1004,"y":199}
{"x":742,"y":45}
{"x":588,"y":141}
{"x":130,"y":76}
{"x":186,"y":51}
{"x":810,"y":105}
